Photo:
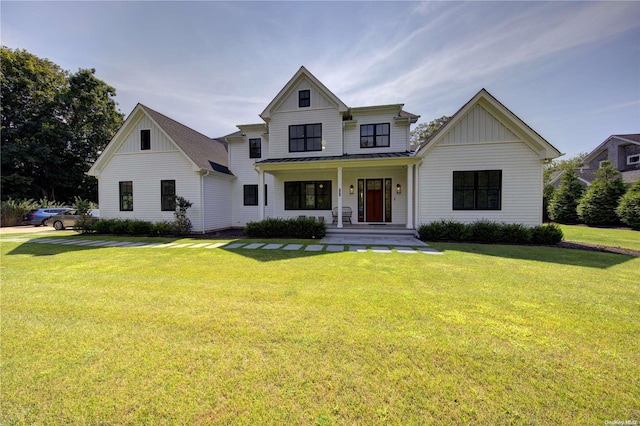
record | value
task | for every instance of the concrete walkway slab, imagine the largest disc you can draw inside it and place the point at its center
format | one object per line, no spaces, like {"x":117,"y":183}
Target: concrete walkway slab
{"x":234,"y":245}
{"x":314,"y":247}
{"x":379,"y":249}
{"x":292,"y":247}
{"x":335,"y":248}
{"x":253,"y":246}
{"x":272,"y":246}
{"x":358,"y":249}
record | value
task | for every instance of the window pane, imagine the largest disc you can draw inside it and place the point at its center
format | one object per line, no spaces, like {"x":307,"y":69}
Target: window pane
{"x":382,"y":141}
{"x":250,"y":195}
{"x":314,"y":144}
{"x":291,"y":195}
{"x":309,"y":195}
{"x":168,"y":195}
{"x":323,"y":195}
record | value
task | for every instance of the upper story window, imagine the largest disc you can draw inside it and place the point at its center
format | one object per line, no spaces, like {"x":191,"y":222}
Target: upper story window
{"x":145,"y":139}
{"x":255,"y":148}
{"x":477,"y":190}
{"x":304,"y":98}
{"x":374,"y":135}
{"x":633,"y":159}
{"x":305,"y":137}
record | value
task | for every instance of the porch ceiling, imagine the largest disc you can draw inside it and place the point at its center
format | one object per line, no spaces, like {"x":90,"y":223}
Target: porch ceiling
{"x":347,"y":160}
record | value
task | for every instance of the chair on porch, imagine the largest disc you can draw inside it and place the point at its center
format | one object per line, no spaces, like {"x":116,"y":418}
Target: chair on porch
{"x":346,"y":214}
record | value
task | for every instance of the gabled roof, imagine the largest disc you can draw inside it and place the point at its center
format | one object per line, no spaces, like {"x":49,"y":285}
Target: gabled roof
{"x":203,"y":152}
{"x":632,"y":139}
{"x":586,"y":176}
{"x":299,"y":75}
{"x":502,"y":114}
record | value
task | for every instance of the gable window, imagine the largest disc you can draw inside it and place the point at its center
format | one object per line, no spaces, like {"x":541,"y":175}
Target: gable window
{"x":477,"y":190}
{"x":305,"y":137}
{"x":304,"y":98}
{"x":168,"y":195}
{"x":126,"y":196}
{"x":311,"y":195}
{"x":633,"y":159}
{"x":374,"y":135}
{"x":255,"y":148}
{"x":145,"y":139}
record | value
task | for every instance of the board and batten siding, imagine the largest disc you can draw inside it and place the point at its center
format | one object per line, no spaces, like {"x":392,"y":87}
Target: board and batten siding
{"x":331,"y":132}
{"x":159,"y":142}
{"x":399,"y":135}
{"x":478,"y":126}
{"x":318,"y":100}
{"x":146,"y":169}
{"x":521,"y":182}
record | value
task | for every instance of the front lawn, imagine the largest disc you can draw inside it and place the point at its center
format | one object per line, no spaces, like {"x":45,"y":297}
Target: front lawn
{"x":623,"y":238}
{"x":483,"y":334}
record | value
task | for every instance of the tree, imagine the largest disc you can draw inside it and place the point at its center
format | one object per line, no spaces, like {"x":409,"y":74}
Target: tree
{"x":424,"y":131}
{"x":599,"y":203}
{"x":629,"y":208}
{"x":564,"y":202}
{"x":53,"y":125}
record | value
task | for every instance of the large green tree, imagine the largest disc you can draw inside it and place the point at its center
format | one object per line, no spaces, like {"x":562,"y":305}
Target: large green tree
{"x":564,"y":202}
{"x":424,"y":131}
{"x":54,"y":124}
{"x":598,"y":205}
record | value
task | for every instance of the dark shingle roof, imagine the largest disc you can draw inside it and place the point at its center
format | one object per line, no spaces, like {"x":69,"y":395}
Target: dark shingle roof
{"x":202,"y":150}
{"x":633,"y":137}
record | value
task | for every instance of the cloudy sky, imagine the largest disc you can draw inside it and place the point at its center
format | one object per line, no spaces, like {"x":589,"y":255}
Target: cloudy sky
{"x":571,"y":70}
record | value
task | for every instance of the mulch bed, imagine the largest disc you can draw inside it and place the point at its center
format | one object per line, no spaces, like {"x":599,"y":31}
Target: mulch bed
{"x":594,"y":247}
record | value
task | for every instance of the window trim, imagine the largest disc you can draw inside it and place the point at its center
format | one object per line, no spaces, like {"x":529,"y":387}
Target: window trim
{"x":631,"y":163}
{"x":476,"y":189}
{"x":304,"y":101}
{"x":305,"y":137}
{"x":376,"y":135}
{"x":255,"y":151}
{"x":165,"y":201}
{"x":253,"y":193}
{"x":302,"y":197}
{"x":145,"y":139}
{"x":122,"y":186}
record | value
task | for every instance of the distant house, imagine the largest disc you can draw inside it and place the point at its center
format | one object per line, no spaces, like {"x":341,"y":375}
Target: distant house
{"x":585,"y":177}
{"x":623,"y":151}
{"x":312,"y":155}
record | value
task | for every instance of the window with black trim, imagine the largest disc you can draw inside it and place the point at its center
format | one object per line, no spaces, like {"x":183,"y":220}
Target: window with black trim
{"x":251,"y":195}
{"x":126,"y":196}
{"x":633,"y":159}
{"x":168,"y":195}
{"x":477,"y":190}
{"x":305,"y":137}
{"x":304,"y":98}
{"x":374,"y":135}
{"x":255,"y":148}
{"x":310,"y":195}
{"x":145,"y":139}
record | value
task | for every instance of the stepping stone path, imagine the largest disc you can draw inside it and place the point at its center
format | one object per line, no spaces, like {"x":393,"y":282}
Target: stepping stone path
{"x":329,"y":248}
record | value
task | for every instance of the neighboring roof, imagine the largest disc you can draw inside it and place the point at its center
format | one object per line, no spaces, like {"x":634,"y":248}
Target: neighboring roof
{"x":201,"y":149}
{"x":345,"y":157}
{"x":485,"y":98}
{"x":631,"y":138}
{"x":585,"y":175}
{"x":302,"y":73}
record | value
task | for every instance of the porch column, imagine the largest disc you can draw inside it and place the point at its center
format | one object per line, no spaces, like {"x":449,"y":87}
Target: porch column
{"x":339,"y":197}
{"x":410,"y":196}
{"x":260,"y":194}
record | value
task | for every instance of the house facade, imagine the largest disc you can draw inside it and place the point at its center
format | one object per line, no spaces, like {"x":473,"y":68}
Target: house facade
{"x":622,"y":151}
{"x":312,"y":155}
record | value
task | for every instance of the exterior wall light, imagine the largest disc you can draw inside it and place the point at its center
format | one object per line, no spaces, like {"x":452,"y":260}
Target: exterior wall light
{"x":351,"y":189}
{"x":399,"y":189}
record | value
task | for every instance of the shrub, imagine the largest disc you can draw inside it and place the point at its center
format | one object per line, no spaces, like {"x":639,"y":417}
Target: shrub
{"x":12,"y":211}
{"x":484,"y":231}
{"x":163,"y":228}
{"x":516,"y":233}
{"x":286,"y":228}
{"x":629,"y":208}
{"x":547,"y":235}
{"x":564,"y":202}
{"x":182,"y":223}
{"x":599,"y":203}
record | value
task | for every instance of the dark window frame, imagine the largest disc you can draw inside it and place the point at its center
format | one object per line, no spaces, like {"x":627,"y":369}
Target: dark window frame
{"x":304,"y":98}
{"x":255,"y":148}
{"x":250,"y":195}
{"x":168,"y":195}
{"x":126,"y":195}
{"x":145,"y":139}
{"x":371,"y":135}
{"x":299,"y":137}
{"x":477,"y":190}
{"x":296,"y":196}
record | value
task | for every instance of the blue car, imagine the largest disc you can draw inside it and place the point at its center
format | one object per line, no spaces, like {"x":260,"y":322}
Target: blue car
{"x":39,"y":217}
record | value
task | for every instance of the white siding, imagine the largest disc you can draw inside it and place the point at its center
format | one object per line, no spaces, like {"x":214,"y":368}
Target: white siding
{"x":146,"y":170}
{"x":159,"y":142}
{"x":399,"y":135}
{"x":331,"y":132}
{"x":521,"y":182}
{"x":243,"y":168}
{"x":318,"y":100}
{"x":217,"y":203}
{"x":478,"y":126}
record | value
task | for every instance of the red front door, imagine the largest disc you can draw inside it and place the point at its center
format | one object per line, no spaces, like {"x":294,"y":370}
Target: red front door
{"x":375,"y":200}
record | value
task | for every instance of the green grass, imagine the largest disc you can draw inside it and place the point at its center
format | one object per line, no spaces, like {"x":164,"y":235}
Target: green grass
{"x":624,"y":238}
{"x":483,"y":334}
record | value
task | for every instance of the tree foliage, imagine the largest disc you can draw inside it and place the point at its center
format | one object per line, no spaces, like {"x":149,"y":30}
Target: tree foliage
{"x":54,"y":124}
{"x":564,"y":202}
{"x":424,"y":131}
{"x":629,"y":208}
{"x":599,"y":203}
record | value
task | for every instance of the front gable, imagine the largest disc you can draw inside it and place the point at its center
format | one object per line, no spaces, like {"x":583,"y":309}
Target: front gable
{"x":478,"y":126}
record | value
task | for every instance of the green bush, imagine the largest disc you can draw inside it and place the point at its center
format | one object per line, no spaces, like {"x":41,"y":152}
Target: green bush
{"x":304,"y":228}
{"x":564,"y":202}
{"x":484,"y":231}
{"x":11,"y":210}
{"x":599,"y":203}
{"x":163,"y":228}
{"x":629,"y":208}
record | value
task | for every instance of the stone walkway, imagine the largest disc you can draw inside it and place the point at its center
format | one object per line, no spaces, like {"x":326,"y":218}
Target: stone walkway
{"x":320,"y":246}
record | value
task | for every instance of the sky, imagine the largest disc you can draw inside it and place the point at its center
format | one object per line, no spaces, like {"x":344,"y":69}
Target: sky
{"x":570,"y":70}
